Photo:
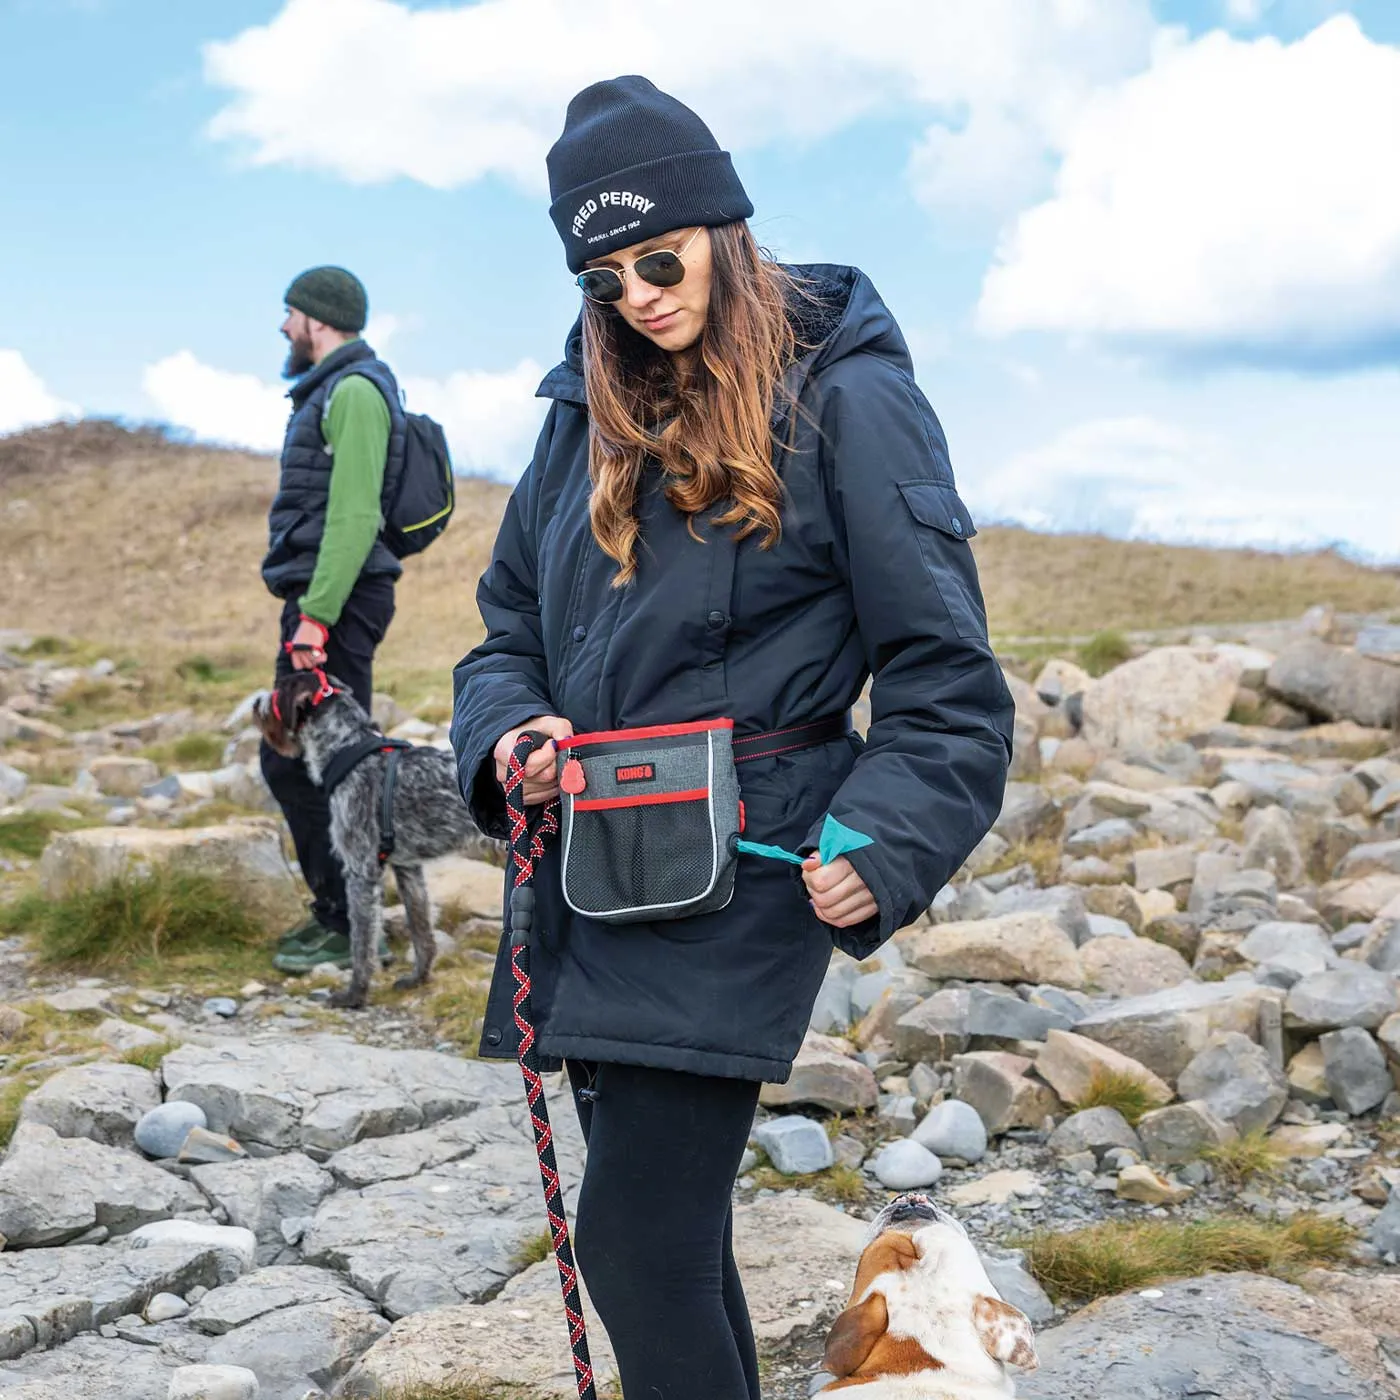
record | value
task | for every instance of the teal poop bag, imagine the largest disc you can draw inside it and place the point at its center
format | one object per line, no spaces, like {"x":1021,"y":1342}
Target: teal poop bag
{"x":836,"y":839}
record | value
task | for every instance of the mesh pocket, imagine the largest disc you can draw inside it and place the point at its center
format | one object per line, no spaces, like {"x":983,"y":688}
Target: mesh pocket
{"x":650,"y":817}
{"x":636,"y":857}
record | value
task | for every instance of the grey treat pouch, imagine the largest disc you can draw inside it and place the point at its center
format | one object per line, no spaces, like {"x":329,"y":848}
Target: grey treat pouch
{"x":650,"y":821}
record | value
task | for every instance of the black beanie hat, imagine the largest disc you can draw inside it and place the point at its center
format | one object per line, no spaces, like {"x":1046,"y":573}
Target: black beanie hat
{"x":332,"y":295}
{"x":632,"y":164}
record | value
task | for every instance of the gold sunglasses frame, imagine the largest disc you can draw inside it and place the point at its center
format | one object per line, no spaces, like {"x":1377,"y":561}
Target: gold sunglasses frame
{"x":621,"y":272}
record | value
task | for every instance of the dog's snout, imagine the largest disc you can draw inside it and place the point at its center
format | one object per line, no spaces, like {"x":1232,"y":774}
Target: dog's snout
{"x":908,"y":1208}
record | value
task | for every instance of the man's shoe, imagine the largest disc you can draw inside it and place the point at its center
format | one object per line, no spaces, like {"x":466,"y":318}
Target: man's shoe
{"x":331,"y":947}
{"x":309,"y":931}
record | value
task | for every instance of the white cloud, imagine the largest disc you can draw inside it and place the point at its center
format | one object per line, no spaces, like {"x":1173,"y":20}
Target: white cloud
{"x":491,"y":419}
{"x":450,"y":94}
{"x":24,"y":399}
{"x":1236,"y":202}
{"x":382,"y":328}
{"x":218,"y":405}
{"x":1141,"y":478}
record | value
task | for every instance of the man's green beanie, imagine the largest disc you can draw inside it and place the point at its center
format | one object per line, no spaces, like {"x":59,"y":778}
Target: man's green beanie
{"x":332,"y":295}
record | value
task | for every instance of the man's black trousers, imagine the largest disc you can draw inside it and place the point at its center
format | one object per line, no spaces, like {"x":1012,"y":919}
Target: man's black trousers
{"x":350,"y":660}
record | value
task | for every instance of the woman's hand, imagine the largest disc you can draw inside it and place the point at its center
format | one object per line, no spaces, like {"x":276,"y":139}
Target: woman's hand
{"x":541,"y":768}
{"x":839,"y":896}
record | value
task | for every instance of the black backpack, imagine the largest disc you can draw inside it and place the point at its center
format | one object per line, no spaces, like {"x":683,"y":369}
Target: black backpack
{"x":426,"y":495}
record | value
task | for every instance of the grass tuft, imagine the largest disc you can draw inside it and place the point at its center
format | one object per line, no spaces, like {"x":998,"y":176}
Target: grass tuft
{"x":1121,"y":1255}
{"x":27,"y":833}
{"x":838,"y":1185}
{"x":47,"y":646}
{"x":149,"y":1056}
{"x":13,"y":1092}
{"x":147,"y":925}
{"x":1042,"y":855}
{"x":1103,"y":651}
{"x":196,"y":751}
{"x":535,"y":1250}
{"x":456,"y":1003}
{"x":1248,"y":1156}
{"x":1117,"y":1089}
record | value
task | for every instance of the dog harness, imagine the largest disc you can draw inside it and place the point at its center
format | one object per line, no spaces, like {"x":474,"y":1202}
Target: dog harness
{"x":343,"y":763}
{"x":527,"y":846}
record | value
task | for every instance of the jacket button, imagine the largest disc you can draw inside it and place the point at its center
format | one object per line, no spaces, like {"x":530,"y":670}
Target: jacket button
{"x":717,"y":619}
{"x":957,"y":526}
{"x":493,"y":1035}
{"x":580,"y":633}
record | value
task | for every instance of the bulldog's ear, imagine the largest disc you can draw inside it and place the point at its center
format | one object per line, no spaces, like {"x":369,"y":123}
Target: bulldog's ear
{"x":853,"y":1336}
{"x":1005,"y":1332}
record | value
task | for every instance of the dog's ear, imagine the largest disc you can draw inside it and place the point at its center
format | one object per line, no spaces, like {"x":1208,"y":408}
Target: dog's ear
{"x":856,"y":1331}
{"x":853,"y":1336}
{"x":296,"y":697}
{"x":1005,"y":1332}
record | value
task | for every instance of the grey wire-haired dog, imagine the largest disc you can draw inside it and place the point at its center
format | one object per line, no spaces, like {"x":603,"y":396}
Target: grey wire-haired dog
{"x":310,"y":715}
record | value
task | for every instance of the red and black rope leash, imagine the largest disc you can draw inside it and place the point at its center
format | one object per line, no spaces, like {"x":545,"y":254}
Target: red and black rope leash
{"x":526,"y":847}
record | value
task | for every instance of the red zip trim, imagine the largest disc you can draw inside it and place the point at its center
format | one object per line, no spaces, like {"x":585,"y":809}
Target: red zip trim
{"x":654,"y":731}
{"x":646,"y":799}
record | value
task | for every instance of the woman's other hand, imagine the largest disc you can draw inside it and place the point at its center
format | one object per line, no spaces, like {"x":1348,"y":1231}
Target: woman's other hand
{"x":541,"y":768}
{"x":839,"y":896}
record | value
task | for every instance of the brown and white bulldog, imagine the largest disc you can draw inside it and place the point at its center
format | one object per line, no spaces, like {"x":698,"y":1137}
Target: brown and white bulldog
{"x":924,"y":1321}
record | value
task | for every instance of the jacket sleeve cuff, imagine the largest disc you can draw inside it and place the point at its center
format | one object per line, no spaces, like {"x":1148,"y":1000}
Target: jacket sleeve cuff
{"x":476,"y":775}
{"x":861,"y":940}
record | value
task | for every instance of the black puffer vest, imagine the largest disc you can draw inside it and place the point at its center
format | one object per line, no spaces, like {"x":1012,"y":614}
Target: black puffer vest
{"x":298,"y":516}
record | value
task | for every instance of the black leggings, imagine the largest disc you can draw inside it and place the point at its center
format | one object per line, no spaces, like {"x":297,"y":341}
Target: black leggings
{"x":653,"y":1236}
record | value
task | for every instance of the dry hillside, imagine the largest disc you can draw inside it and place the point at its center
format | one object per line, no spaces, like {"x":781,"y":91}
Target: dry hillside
{"x":150,"y":549}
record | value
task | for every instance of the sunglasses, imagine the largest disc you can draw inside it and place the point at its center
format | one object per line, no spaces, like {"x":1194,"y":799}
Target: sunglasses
{"x":662,"y":268}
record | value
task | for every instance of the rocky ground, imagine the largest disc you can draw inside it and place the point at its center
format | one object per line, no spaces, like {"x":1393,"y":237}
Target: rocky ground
{"x":1164,"y":989}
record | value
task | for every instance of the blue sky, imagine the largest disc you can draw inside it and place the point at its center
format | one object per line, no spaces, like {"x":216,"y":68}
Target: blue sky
{"x":1147,"y":255}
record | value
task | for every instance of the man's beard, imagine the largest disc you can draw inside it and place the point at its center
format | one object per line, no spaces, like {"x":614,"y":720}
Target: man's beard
{"x":300,"y":358}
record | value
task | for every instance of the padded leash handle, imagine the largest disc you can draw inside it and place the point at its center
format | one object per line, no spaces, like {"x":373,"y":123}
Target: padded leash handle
{"x":526,"y":848}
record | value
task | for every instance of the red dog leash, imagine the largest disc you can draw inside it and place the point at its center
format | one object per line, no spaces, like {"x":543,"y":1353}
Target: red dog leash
{"x":526,"y":847}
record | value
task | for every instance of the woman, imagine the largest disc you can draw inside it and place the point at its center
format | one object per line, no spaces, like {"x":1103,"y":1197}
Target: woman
{"x":740,"y":506}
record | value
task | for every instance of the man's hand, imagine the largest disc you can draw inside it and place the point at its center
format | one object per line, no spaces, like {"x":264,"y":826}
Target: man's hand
{"x":541,"y":768}
{"x":309,"y":644}
{"x":839,"y":896}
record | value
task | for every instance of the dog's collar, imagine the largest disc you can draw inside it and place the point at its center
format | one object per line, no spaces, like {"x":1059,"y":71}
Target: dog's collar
{"x":323,"y":694}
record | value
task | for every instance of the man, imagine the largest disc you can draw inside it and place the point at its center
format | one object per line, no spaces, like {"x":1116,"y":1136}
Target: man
{"x":343,"y":453}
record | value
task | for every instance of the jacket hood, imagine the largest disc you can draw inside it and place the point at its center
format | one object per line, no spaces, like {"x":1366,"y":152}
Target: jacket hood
{"x":837,"y":313}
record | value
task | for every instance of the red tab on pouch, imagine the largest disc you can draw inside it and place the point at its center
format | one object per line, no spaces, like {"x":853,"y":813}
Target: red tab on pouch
{"x":572,"y":779}
{"x":635,"y":773}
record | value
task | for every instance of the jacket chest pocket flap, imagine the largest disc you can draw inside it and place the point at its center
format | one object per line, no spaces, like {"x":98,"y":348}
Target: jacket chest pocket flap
{"x":943,"y":526}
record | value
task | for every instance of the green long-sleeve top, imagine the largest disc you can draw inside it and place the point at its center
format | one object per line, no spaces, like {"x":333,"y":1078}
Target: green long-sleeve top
{"x":355,"y":425}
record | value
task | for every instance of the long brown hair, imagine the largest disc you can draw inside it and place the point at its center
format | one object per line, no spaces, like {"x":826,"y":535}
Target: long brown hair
{"x":710,"y":429}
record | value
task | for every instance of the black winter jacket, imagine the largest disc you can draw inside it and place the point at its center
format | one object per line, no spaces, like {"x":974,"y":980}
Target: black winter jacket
{"x":297,"y":520}
{"x":873,"y":575}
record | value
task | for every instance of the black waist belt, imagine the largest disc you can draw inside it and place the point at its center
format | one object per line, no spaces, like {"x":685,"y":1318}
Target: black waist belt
{"x":797,"y":736}
{"x":344,"y":763}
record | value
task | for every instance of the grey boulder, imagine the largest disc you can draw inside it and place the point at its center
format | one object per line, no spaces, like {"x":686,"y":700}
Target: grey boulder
{"x":953,"y":1129}
{"x":1355,"y":1069}
{"x":1237,"y":1082}
{"x":161,"y":1131}
{"x":53,"y":1189}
